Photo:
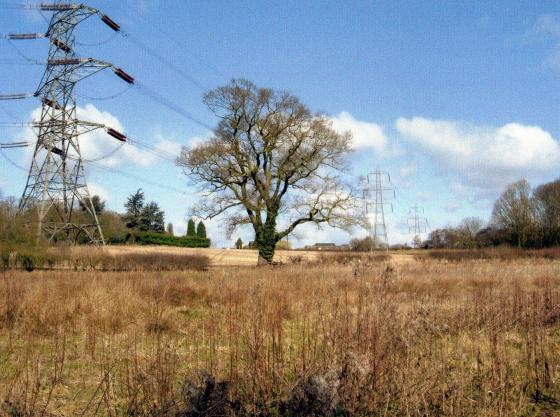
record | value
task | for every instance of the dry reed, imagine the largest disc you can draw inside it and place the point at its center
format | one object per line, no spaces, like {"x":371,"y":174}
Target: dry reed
{"x":369,"y":338}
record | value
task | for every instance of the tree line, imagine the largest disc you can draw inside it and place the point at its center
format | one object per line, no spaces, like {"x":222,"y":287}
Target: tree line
{"x":522,"y":217}
{"x":141,"y":223}
{"x":146,"y":225}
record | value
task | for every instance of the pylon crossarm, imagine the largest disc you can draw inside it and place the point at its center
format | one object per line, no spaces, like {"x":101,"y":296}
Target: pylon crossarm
{"x":89,"y":127}
{"x":65,"y":13}
{"x":82,"y":126}
{"x":78,"y":68}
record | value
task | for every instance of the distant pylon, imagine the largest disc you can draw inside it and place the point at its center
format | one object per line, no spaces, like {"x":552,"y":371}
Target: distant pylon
{"x":56,"y":184}
{"x":417,"y":224}
{"x":377,"y":193}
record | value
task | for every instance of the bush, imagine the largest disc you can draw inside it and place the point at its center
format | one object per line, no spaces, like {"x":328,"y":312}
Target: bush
{"x":151,"y":238}
{"x":204,"y":396}
{"x":25,"y":262}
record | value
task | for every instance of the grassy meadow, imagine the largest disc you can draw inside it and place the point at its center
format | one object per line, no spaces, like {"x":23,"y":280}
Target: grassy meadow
{"x":341,"y":336}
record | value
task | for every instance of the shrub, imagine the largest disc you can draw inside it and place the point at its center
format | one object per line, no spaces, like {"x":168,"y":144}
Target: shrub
{"x":204,"y":396}
{"x":151,"y":238}
{"x":313,"y":396}
{"x":25,"y":262}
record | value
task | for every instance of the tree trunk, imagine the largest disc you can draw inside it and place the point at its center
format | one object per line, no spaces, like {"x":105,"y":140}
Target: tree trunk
{"x":266,"y":244}
{"x":266,"y":240}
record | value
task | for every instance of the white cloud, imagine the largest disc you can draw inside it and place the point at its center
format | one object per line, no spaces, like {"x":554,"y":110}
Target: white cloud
{"x":105,"y":150}
{"x":452,"y":206}
{"x":459,"y":189}
{"x":364,"y":134}
{"x":487,"y":158}
{"x":309,"y":234}
{"x":423,"y":195}
{"x":548,"y":26}
{"x":98,"y":144}
{"x":408,"y":170}
{"x":169,"y":147}
{"x":95,"y":189}
{"x":552,"y":61}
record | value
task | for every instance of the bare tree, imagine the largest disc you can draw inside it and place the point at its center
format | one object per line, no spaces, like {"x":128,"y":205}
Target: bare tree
{"x":547,"y":200}
{"x":270,"y":163}
{"x":514,"y":212}
{"x":467,"y":230}
{"x":365,"y":244}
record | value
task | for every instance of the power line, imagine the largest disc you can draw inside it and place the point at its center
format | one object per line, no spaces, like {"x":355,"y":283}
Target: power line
{"x":9,"y":113}
{"x":100,"y":43}
{"x":154,"y":151}
{"x":145,"y":146}
{"x":96,"y":163}
{"x":12,"y":163}
{"x":142,"y":88}
{"x":105,"y":156}
{"x":8,"y":61}
{"x":164,"y":61}
{"x":181,"y":45}
{"x":12,"y":145}
{"x":65,"y":63}
{"x":157,"y":97}
{"x":14,"y":6}
{"x":21,"y":54}
{"x":138,"y":178}
{"x":110,"y":97}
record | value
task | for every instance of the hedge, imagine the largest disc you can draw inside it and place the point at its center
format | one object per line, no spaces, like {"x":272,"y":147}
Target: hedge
{"x":152,"y":238}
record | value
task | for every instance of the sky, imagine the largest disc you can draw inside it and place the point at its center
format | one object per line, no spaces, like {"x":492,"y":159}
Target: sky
{"x":453,"y":99}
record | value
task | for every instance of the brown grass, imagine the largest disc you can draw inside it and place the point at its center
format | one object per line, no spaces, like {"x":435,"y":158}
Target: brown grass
{"x":217,"y":257}
{"x":501,"y":253}
{"x":367,"y":338}
{"x":102,"y":259}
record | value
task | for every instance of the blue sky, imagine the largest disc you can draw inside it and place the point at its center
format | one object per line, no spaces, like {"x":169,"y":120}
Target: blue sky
{"x":454,"y":99}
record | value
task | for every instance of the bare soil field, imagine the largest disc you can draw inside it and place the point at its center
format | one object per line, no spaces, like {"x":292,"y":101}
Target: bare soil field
{"x":396,"y":336}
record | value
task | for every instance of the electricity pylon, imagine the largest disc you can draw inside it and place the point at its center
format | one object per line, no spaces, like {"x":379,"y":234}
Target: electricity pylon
{"x":56,"y":184}
{"x":376,"y":194}
{"x":417,"y":224}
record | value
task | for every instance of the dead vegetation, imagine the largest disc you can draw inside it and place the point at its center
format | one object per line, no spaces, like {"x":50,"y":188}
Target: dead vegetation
{"x":424,"y":338}
{"x":503,"y":253}
{"x":100,"y":259}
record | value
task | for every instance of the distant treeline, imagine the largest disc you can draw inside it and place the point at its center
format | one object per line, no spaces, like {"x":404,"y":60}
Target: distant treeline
{"x":142,"y":223}
{"x":522,"y":217}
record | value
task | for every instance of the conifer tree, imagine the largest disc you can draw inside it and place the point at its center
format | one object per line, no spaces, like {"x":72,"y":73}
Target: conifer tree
{"x":191,"y":230}
{"x":201,"y":230}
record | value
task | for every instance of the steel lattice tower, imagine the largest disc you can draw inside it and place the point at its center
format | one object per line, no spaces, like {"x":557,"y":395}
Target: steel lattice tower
{"x":376,"y":198}
{"x":56,"y":184}
{"x":417,"y":224}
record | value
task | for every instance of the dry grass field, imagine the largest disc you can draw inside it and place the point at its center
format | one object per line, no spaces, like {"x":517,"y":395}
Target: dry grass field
{"x":218,"y":257}
{"x":394,"y":337}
